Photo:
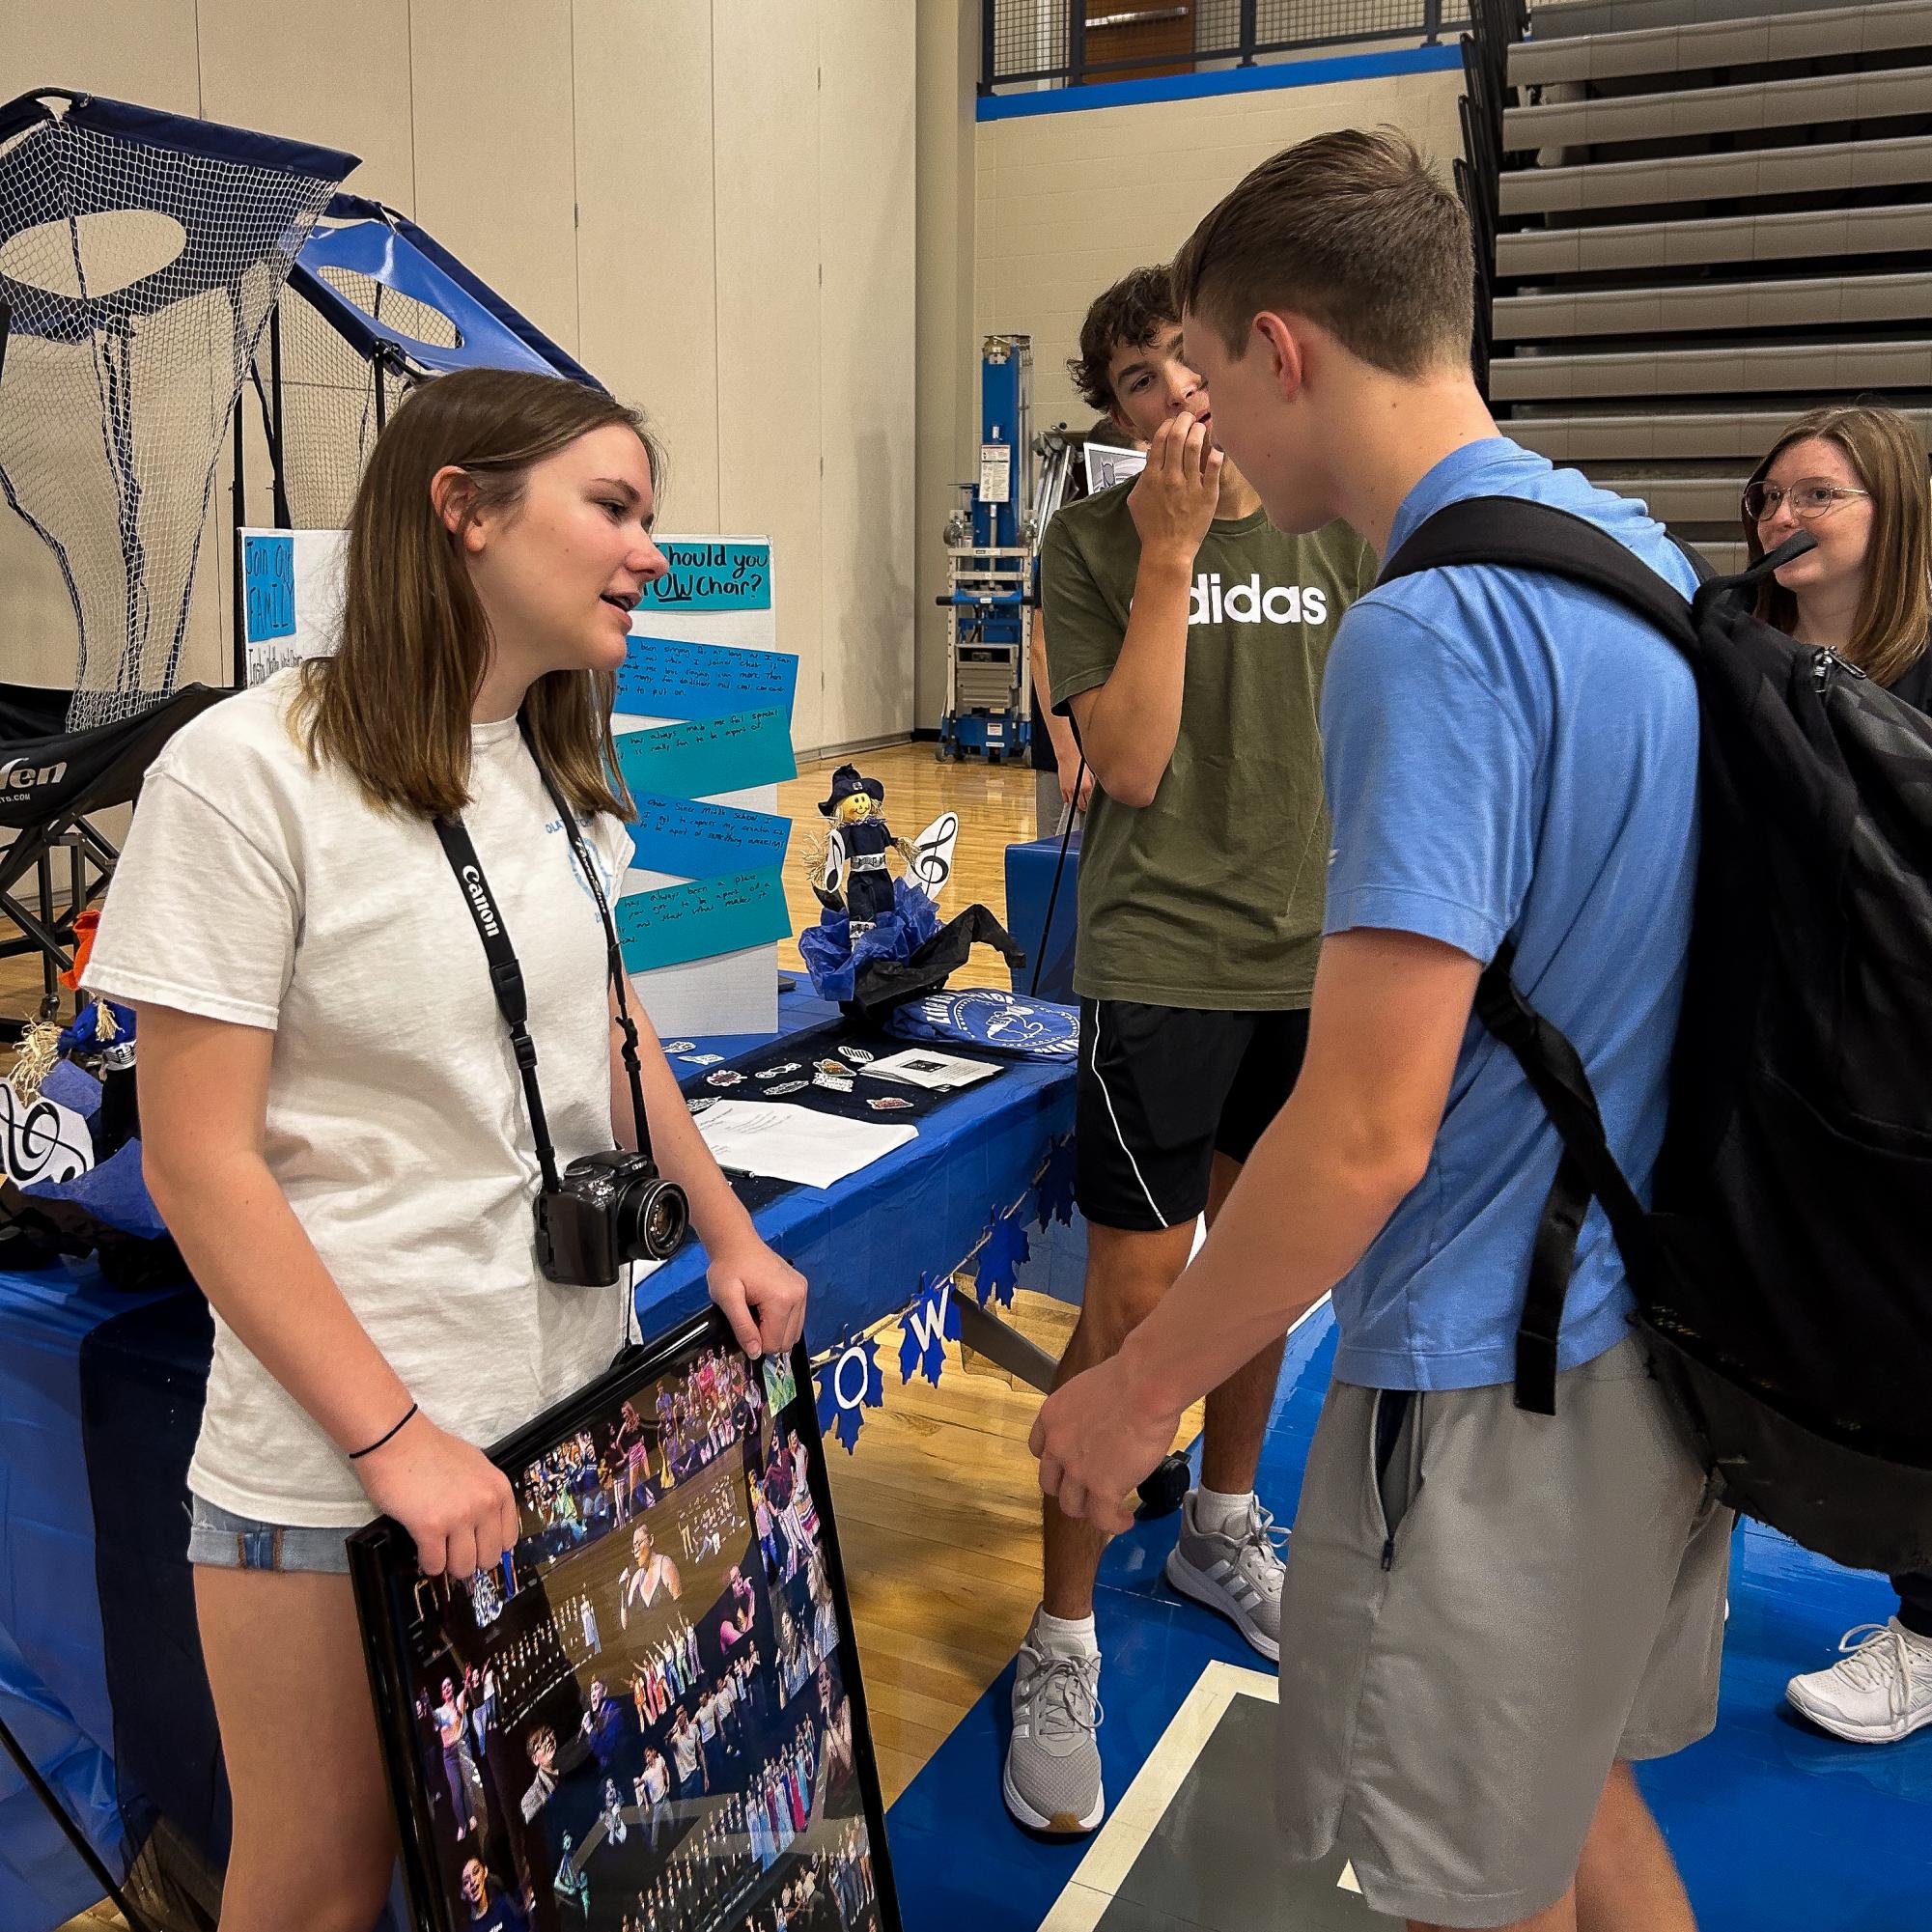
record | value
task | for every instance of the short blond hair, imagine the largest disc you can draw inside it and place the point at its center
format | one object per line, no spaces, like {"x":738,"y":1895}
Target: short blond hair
{"x":1352,"y":230}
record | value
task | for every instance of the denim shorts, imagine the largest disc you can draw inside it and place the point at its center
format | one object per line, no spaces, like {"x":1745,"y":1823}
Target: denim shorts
{"x":223,"y":1541}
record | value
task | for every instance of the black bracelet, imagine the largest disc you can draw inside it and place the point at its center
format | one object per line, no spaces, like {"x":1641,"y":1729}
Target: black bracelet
{"x":356,"y":1455}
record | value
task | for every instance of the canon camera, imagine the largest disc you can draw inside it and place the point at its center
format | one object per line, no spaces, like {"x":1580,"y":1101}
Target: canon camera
{"x":608,"y":1209}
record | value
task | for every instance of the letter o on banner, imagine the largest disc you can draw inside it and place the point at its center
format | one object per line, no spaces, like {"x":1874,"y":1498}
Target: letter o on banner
{"x":853,"y":1356}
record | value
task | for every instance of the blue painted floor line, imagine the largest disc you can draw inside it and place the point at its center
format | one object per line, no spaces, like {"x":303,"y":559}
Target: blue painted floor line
{"x":1774,"y":1825}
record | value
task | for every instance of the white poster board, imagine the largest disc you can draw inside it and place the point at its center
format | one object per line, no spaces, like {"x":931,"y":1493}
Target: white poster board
{"x":291,"y":593}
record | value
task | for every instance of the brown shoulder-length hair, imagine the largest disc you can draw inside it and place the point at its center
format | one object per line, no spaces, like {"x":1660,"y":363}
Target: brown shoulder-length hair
{"x":392,"y":705}
{"x":1888,"y":457}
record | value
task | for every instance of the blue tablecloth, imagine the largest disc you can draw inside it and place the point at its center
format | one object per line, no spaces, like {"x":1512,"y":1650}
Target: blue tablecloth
{"x":53,"y":1687}
{"x":99,"y":1401}
{"x":864,"y":1244}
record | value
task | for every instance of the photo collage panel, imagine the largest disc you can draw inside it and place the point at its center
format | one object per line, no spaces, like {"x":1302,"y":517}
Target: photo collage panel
{"x":640,"y":1721}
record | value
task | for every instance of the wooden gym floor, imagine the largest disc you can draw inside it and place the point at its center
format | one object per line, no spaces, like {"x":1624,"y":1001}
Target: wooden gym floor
{"x":938,"y":1511}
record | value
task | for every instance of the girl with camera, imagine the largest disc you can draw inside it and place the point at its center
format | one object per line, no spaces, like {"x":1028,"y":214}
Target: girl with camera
{"x":333,"y":1124}
{"x":1855,"y":481}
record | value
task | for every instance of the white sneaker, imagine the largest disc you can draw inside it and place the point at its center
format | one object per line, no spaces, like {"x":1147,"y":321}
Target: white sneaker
{"x":1877,"y":1693}
{"x":1052,"y":1781}
{"x":1239,"y":1574}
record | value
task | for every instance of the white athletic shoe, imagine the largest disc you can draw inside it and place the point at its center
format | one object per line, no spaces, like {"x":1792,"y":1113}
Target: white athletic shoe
{"x":1052,"y":1781}
{"x":1241,"y":1575}
{"x":1881,"y":1691}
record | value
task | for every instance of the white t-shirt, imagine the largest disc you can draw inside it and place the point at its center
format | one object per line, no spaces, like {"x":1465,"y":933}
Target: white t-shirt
{"x":260,"y":889}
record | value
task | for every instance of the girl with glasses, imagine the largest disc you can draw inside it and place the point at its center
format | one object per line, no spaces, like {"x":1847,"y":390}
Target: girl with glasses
{"x":1855,"y":479}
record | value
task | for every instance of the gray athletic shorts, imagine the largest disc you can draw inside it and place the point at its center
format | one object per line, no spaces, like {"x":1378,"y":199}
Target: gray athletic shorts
{"x":1473,"y":1635}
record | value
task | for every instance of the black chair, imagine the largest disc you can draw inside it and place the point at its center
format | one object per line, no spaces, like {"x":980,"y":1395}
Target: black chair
{"x":50,"y":779}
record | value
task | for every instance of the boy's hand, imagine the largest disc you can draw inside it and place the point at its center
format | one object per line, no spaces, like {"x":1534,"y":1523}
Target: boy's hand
{"x":1173,"y":500}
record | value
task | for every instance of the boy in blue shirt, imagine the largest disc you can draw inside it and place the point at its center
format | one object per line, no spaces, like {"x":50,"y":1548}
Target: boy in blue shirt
{"x":1488,"y":1613}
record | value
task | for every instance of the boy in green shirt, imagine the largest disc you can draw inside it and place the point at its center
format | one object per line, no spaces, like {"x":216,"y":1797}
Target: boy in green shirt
{"x":1185,"y":638}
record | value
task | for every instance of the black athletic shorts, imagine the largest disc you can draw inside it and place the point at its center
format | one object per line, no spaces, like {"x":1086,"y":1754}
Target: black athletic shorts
{"x":1163,"y":1090}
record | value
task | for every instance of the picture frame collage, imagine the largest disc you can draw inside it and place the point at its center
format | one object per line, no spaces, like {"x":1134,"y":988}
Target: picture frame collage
{"x":648,"y":1717}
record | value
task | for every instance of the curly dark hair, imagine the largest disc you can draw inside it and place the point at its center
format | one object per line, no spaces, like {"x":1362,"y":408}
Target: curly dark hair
{"x":1129,"y":314}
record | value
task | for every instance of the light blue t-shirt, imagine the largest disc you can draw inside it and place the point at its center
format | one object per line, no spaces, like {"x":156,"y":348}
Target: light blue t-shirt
{"x":1510,"y":755}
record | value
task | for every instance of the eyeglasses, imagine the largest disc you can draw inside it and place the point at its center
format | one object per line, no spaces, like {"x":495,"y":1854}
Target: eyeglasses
{"x":1809,"y":498}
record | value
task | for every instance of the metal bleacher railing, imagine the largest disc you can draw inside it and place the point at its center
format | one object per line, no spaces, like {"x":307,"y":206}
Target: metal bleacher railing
{"x":1073,"y":42}
{"x":1494,"y":24}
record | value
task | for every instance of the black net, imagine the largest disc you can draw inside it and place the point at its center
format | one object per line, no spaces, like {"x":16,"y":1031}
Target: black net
{"x":141,"y":278}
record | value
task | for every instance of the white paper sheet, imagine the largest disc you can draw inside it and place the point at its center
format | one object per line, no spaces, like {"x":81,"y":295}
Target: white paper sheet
{"x":794,"y":1143}
{"x":922,"y":1067}
{"x":1108,"y":465}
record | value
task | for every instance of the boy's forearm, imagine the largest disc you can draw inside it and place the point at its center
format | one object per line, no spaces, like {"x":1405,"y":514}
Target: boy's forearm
{"x":1251,"y":1280}
{"x":1059,"y":733}
{"x":1134,"y":719}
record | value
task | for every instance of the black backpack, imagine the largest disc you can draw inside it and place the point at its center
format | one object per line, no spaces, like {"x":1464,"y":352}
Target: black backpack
{"x":1785,"y":1275}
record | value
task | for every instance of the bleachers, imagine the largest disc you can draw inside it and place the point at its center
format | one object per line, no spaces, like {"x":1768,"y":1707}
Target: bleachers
{"x":1706,"y":216}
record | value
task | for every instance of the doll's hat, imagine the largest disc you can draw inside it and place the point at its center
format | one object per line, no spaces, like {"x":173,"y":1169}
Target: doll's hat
{"x":846,"y":783}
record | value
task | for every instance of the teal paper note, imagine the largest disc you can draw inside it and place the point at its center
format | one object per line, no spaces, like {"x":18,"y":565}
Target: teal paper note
{"x":680,"y":923}
{"x":667,"y":677}
{"x":707,"y":756}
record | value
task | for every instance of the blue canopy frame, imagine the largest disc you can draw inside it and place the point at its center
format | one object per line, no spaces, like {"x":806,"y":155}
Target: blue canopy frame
{"x":389,"y":248}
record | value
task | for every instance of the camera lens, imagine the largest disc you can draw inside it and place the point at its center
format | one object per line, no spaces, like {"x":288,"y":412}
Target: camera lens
{"x":653,"y":1219}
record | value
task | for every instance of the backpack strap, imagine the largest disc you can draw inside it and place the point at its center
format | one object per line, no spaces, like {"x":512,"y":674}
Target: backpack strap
{"x":1588,"y":1170}
{"x":1515,"y":533}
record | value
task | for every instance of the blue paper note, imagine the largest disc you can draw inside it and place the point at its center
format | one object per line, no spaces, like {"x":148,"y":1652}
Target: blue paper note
{"x":269,"y":587}
{"x":707,"y":756}
{"x":697,"y":840}
{"x":714,"y":577}
{"x":665,"y":677}
{"x":681,"y":923}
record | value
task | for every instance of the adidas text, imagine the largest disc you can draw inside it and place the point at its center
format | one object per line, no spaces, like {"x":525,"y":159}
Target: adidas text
{"x":1210,"y":602}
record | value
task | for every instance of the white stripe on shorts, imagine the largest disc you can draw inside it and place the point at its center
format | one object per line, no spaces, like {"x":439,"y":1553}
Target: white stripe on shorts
{"x":1093,"y":1067}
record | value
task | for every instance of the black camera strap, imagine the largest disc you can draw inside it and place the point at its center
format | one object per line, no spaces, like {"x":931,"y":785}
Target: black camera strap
{"x":506,"y":980}
{"x":506,"y":974}
{"x":613,"y":952}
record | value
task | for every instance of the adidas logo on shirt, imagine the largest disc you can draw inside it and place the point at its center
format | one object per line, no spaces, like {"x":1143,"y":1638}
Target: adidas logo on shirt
{"x":1208,"y":602}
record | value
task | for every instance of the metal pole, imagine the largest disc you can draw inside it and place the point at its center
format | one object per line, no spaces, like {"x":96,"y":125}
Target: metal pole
{"x":376,"y":364}
{"x":1249,"y":31}
{"x":57,"y":1811}
{"x":241,"y":638}
{"x":1432,"y":22}
{"x":987,"y":9}
{"x":1077,"y":41}
{"x":277,"y":443}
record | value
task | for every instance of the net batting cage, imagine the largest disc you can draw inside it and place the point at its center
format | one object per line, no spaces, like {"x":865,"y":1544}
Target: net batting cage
{"x":140,"y":256}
